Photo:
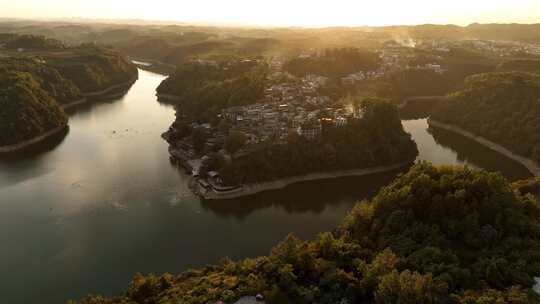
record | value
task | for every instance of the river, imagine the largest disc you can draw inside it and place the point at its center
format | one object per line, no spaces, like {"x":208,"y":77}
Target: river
{"x":86,"y":213}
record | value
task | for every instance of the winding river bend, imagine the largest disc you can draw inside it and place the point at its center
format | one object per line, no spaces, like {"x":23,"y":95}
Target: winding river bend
{"x":87,"y":212}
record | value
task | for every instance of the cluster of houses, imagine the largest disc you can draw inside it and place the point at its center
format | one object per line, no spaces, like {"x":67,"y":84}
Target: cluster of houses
{"x":392,"y":59}
{"x":498,"y":48}
{"x":288,"y":107}
{"x":263,"y":121}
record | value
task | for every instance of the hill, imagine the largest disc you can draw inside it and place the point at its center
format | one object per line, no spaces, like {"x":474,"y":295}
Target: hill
{"x":520,"y":65}
{"x":376,"y":139}
{"x":501,"y":107}
{"x":203,"y":90}
{"x":41,"y":76}
{"x":26,"y":109}
{"x":94,"y":68}
{"x":50,"y":80}
{"x":435,"y":235}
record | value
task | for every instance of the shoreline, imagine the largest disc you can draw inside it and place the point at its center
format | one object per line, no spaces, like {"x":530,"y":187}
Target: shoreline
{"x":531,"y":165}
{"x":36,"y":140}
{"x":169,"y":97}
{"x":112,"y":87}
{"x":40,"y":138}
{"x":406,"y":101}
{"x":155,"y":66}
{"x":99,"y":93}
{"x":251,"y":189}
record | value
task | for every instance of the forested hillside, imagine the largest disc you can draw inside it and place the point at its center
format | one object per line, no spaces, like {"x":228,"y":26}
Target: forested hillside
{"x":94,"y":68}
{"x":26,"y":110}
{"x":53,"y":82}
{"x":434,"y":235}
{"x":502,"y":107}
{"x":520,"y":65}
{"x":334,"y":63}
{"x":41,"y":75}
{"x":204,"y":90}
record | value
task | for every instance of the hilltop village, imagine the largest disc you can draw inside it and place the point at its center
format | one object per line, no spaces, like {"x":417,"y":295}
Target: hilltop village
{"x":290,"y":109}
{"x":301,"y":97}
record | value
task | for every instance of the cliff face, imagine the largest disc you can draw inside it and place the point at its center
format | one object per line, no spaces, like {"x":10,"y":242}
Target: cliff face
{"x":26,"y":109}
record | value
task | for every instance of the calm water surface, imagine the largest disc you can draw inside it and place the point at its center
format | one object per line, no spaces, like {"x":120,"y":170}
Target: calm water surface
{"x":103,"y":203}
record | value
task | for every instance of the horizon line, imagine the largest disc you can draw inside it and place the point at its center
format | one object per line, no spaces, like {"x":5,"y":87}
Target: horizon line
{"x":134,"y":21}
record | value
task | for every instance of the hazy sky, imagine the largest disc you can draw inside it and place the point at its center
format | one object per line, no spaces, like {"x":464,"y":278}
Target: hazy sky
{"x":285,"y":12}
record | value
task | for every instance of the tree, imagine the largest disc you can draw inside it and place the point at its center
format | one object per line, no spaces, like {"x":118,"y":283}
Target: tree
{"x":235,"y":141}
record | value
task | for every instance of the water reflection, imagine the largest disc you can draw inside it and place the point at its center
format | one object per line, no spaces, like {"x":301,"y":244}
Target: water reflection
{"x":442,"y":147}
{"x":104,"y":203}
{"x":479,"y":156}
{"x":312,"y":197}
{"x":15,"y":168}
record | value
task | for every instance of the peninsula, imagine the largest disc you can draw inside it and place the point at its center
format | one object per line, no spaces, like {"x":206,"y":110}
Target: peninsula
{"x":247,"y":126}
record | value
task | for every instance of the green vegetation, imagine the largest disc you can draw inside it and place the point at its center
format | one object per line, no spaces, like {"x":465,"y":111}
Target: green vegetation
{"x":529,"y":186}
{"x":94,"y":68}
{"x":378,"y":139}
{"x":520,"y":65}
{"x":35,"y":85}
{"x":502,"y":107}
{"x":417,"y":82}
{"x":204,"y":90}
{"x":31,"y":42}
{"x":235,"y":141}
{"x":26,"y":110}
{"x":86,"y":68}
{"x":434,"y":235}
{"x":334,"y":63}
{"x":177,"y":44}
{"x":50,"y":80}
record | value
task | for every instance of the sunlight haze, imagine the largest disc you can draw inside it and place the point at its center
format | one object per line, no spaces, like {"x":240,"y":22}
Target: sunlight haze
{"x":282,"y":13}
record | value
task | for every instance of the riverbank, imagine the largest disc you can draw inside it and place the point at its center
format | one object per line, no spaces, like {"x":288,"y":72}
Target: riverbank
{"x":101,"y":94}
{"x":168,"y":97}
{"x":36,"y":140}
{"x":530,"y":164}
{"x":155,"y":66}
{"x":251,"y":189}
{"x":45,"y":136}
{"x":406,"y":101}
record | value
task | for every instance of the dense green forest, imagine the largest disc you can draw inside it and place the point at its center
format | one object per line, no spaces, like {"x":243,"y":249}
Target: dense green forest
{"x":204,"y":90}
{"x":334,"y":63}
{"x":26,"y":109}
{"x":53,"y":82}
{"x":37,"y":83}
{"x":30,"y":42}
{"x":94,"y":68}
{"x":377,"y":139}
{"x":89,"y":67}
{"x":434,"y":235}
{"x":502,"y":107}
